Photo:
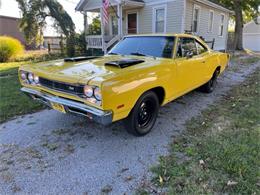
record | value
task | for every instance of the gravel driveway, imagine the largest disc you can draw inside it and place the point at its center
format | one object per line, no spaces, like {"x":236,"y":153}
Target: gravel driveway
{"x":52,"y":153}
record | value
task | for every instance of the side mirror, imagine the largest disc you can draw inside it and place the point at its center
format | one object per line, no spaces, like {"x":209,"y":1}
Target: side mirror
{"x":189,"y":54}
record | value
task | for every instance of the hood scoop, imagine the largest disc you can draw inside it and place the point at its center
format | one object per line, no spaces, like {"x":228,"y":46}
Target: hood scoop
{"x":82,"y":58}
{"x":124,"y":63}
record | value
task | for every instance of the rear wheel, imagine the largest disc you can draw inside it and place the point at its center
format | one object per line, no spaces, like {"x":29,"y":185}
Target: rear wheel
{"x":143,"y":116}
{"x":211,"y":84}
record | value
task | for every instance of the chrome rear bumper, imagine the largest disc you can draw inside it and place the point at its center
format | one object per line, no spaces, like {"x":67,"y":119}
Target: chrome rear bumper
{"x":99,"y":116}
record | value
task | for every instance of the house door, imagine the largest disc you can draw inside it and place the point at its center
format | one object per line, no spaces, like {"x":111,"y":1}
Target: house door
{"x":132,"y":23}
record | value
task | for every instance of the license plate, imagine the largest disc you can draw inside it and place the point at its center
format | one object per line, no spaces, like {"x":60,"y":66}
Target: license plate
{"x":58,"y":107}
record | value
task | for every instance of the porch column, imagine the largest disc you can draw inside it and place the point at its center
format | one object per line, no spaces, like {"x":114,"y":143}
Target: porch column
{"x":86,"y":29}
{"x":120,"y":19}
{"x":102,"y":31}
{"x":86,"y":22}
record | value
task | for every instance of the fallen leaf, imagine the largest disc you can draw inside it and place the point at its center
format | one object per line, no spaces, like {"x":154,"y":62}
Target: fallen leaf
{"x":232,"y":183}
{"x":160,"y":179}
{"x":202,"y":162}
{"x":128,"y":178}
{"x":107,"y":189}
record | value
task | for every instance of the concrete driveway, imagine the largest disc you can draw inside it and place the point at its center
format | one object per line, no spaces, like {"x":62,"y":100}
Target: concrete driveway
{"x":52,"y":153}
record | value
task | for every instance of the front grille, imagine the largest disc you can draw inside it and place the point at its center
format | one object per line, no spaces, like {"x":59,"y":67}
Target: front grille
{"x":63,"y":87}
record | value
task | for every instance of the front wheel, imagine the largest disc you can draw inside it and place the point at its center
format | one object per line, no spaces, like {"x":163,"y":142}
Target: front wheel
{"x":144,"y":114}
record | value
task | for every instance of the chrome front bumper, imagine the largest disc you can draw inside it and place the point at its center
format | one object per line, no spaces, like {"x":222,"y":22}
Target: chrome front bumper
{"x":99,"y":116}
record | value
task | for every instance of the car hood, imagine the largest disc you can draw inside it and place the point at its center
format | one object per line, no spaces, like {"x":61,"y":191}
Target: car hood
{"x":84,"y":71}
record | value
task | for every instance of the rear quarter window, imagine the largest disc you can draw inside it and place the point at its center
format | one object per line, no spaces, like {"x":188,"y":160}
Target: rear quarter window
{"x":201,"y":48}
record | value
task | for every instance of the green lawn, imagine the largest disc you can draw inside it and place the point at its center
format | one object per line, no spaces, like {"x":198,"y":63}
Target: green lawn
{"x":12,"y":101}
{"x":219,"y":152}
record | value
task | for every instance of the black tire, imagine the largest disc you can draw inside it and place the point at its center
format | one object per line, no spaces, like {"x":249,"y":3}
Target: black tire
{"x":211,"y":84}
{"x":144,"y":114}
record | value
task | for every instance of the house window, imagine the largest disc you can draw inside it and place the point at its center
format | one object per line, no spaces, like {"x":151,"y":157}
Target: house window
{"x":221,"y":27}
{"x":211,"y":20}
{"x":196,"y":16}
{"x":159,"y":18}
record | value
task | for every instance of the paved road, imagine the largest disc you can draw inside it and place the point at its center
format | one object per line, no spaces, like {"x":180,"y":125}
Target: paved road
{"x":51,"y":153}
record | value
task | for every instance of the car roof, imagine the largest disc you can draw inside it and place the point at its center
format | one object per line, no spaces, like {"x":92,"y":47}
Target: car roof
{"x":163,"y":35}
{"x":171,"y":35}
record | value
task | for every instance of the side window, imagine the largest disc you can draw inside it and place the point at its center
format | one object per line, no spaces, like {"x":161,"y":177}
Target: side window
{"x":201,"y":48}
{"x":186,"y":45}
{"x":196,"y":18}
{"x":221,"y":27}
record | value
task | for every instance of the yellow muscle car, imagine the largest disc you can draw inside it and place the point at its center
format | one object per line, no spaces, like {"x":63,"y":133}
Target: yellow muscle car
{"x":138,"y":75}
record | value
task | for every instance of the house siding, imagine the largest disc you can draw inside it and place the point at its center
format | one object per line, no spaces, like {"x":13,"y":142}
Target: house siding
{"x":252,"y":27}
{"x":145,"y":16}
{"x":179,"y":16}
{"x":174,"y":10}
{"x":220,"y":41}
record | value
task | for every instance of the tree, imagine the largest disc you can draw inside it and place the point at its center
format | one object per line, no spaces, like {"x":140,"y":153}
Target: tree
{"x":34,"y":16}
{"x":31,"y":24}
{"x":95,"y":27}
{"x":244,"y":10}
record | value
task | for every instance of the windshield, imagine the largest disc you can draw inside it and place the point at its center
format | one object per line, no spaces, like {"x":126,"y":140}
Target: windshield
{"x":159,"y":46}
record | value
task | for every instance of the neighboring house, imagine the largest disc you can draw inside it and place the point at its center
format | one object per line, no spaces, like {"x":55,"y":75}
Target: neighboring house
{"x":251,"y":35}
{"x":201,"y":17}
{"x":9,"y":26}
{"x":54,"y":41}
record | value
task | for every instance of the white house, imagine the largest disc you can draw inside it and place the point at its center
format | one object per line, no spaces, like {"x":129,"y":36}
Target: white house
{"x":251,"y":35}
{"x":201,"y":17}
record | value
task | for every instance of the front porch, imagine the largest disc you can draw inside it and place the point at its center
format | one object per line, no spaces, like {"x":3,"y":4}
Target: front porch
{"x":123,"y":20}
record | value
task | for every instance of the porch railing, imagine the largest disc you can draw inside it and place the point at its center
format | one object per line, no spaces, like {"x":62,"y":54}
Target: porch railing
{"x":113,"y":41}
{"x":94,"y":41}
{"x":97,"y":41}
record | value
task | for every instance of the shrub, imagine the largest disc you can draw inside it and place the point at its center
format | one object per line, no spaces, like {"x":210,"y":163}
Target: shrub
{"x":9,"y":47}
{"x":36,"y":56}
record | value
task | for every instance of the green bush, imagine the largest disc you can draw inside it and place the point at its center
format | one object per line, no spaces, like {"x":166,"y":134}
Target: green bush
{"x":9,"y":47}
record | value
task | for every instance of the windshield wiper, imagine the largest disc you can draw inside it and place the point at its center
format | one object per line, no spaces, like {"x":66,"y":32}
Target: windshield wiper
{"x":137,"y":54}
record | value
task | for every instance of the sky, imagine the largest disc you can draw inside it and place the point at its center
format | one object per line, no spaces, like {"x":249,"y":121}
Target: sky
{"x":10,"y":8}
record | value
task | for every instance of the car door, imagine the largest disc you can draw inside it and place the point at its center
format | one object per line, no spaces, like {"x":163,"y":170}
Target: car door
{"x":206,"y":61}
{"x":190,"y":65}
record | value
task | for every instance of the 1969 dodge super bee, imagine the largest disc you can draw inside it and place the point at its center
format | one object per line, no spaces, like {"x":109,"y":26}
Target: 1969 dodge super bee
{"x":140,"y":74}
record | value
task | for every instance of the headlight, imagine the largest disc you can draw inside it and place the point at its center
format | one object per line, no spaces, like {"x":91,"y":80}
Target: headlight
{"x":88,"y":91}
{"x":93,"y":94}
{"x":36,"y":79}
{"x":97,"y":94}
{"x":23,"y":75}
{"x":30,"y":77}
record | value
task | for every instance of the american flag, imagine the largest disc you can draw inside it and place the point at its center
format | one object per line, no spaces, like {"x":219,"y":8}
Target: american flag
{"x":105,"y":11}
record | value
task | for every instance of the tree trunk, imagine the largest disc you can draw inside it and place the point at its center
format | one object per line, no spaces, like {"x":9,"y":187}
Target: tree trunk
{"x":238,"y":43}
